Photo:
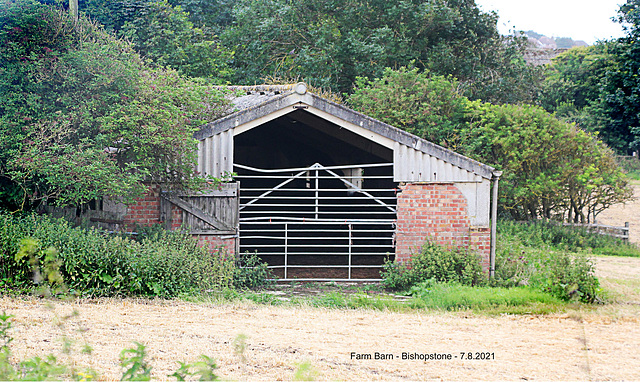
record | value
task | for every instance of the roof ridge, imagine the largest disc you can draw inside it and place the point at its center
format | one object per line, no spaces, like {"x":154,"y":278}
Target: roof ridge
{"x":258,"y":88}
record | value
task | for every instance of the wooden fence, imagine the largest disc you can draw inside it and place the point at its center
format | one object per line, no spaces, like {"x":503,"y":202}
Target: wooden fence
{"x":602,"y":229}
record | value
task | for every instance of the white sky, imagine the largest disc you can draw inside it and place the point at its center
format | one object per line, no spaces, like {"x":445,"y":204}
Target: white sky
{"x":588,"y":20}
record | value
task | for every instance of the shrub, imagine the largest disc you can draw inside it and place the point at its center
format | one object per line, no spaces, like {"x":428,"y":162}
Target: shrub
{"x":165,"y":264}
{"x":251,"y":272}
{"x":434,"y":262}
{"x":541,"y":256}
{"x":568,"y":277}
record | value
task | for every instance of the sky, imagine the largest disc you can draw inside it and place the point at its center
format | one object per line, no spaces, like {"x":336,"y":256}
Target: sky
{"x":589,"y":21}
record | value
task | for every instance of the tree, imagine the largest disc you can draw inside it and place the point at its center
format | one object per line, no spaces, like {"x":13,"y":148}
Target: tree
{"x":426,"y":105}
{"x":331,"y":42}
{"x":82,"y":116}
{"x":577,"y":86}
{"x":552,"y":169}
{"x":164,"y":34}
{"x":599,"y":87}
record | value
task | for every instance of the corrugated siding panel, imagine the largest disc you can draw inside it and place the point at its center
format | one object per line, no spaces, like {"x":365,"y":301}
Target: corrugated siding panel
{"x":410,"y":165}
{"x":215,"y":154}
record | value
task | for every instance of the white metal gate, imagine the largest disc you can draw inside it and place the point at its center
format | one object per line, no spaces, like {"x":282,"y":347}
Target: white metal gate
{"x":319,"y":223}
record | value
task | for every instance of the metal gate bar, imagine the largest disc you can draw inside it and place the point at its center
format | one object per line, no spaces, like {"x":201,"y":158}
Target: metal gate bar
{"x":307,"y":224}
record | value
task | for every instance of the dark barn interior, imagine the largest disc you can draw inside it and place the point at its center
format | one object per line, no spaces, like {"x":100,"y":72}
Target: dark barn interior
{"x":317,"y":201}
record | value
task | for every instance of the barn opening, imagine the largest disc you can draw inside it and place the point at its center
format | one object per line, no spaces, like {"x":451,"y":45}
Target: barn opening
{"x":317,"y":201}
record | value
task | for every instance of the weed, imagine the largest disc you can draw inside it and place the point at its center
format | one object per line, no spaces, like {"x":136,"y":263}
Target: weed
{"x":240,"y":346}
{"x":203,"y":369}
{"x":95,"y":263}
{"x":453,"y":296}
{"x":565,"y":238}
{"x":305,"y":372}
{"x":251,"y":272}
{"x":537,"y":256}
{"x":134,"y":364}
{"x":437,"y":262}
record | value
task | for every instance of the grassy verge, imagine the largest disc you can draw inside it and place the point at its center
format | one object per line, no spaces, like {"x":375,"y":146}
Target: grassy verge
{"x":427,"y":297}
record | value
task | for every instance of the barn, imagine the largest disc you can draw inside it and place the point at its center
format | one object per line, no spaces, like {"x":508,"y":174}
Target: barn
{"x":322,"y":192}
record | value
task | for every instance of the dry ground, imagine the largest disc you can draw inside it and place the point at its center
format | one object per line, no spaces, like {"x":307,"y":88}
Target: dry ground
{"x":618,"y":214}
{"x":599,"y":344}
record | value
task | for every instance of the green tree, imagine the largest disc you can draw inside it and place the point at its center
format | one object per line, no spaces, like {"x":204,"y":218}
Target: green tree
{"x":552,"y":169}
{"x":577,"y":88}
{"x":428,"y":106}
{"x":164,"y":34}
{"x":599,"y":87}
{"x":82,"y":116}
{"x":331,"y":42}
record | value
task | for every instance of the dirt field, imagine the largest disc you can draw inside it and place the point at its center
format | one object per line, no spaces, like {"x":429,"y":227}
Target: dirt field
{"x":603,"y":344}
{"x":628,"y":212}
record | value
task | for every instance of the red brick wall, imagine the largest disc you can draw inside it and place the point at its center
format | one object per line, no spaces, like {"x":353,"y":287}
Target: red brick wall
{"x":146,"y":211}
{"x":437,"y":212}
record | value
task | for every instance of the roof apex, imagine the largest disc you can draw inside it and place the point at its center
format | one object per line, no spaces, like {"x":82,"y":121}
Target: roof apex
{"x":262,"y":100}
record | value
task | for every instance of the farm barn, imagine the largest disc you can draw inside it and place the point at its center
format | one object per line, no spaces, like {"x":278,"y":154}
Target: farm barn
{"x":323,"y":192}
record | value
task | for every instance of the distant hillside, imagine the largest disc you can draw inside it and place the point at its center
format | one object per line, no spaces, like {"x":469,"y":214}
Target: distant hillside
{"x":542,"y":49}
{"x":537,"y":40}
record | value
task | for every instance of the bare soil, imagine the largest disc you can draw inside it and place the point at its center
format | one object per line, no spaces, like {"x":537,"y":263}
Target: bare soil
{"x":585,"y":344}
{"x":618,"y":214}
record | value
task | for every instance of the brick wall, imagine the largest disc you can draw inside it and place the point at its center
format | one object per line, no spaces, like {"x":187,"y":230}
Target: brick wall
{"x":437,"y":212}
{"x":146,"y":211}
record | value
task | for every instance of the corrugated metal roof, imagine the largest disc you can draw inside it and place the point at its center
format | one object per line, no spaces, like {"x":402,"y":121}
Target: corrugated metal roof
{"x":415,"y":159}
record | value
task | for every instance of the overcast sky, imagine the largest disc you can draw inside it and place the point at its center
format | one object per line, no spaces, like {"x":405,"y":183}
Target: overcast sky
{"x":589,"y":21}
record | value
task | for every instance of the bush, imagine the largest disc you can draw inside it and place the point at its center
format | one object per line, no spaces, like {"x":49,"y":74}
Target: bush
{"x":434,"y":262}
{"x":541,"y":256}
{"x":568,"y":277}
{"x":95,"y":263}
{"x":251,"y":272}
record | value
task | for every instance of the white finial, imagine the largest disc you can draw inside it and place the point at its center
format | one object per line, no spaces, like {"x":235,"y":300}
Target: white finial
{"x":300,"y":88}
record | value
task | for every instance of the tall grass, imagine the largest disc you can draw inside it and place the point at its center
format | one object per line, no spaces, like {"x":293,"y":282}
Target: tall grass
{"x":95,"y":263}
{"x":564,"y":238}
{"x":553,"y":259}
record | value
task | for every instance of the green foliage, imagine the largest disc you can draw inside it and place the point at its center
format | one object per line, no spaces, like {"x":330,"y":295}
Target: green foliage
{"x":305,"y":372}
{"x":565,"y":238}
{"x":134,"y":364}
{"x":251,"y":272}
{"x":426,"y":105}
{"x":204,"y":370}
{"x":434,"y":262}
{"x":240,"y":346}
{"x":540,"y":256}
{"x":453,"y":296}
{"x":97,"y":264}
{"x":551,"y":169}
{"x":164,"y":34}
{"x":598,"y":87}
{"x":46,"y":276}
{"x":576,"y":88}
{"x":82,"y":116}
{"x":330,"y":43}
